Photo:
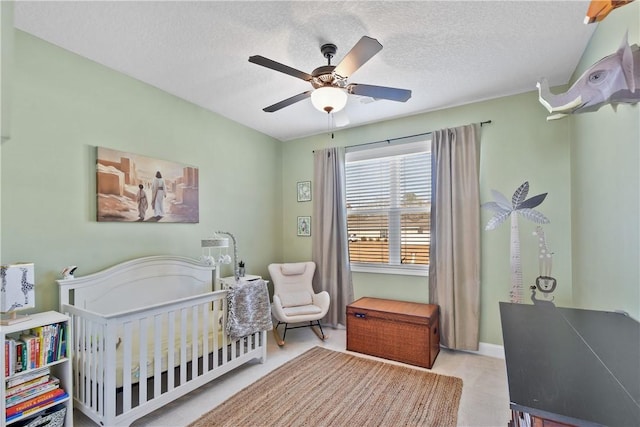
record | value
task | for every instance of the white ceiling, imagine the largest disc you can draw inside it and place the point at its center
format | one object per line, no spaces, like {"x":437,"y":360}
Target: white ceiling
{"x":447,"y":52}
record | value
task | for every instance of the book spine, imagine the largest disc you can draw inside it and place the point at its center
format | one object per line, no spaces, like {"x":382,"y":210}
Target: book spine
{"x":19,"y":366}
{"x":12,"y":356}
{"x":27,"y":377}
{"x":52,"y":343}
{"x":46,"y":351}
{"x":25,"y":361}
{"x":26,"y":385}
{"x":41,"y":400}
{"x":36,"y":353}
{"x":31,"y":393}
{"x":32,"y":353}
{"x":37,"y":332}
{"x":62,"y":342}
{"x":37,"y":408}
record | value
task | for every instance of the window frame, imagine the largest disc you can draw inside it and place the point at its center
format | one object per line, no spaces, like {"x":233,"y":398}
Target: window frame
{"x":385,"y":149}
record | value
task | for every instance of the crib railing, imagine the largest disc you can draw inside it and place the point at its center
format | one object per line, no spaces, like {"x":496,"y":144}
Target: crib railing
{"x":127,"y":364}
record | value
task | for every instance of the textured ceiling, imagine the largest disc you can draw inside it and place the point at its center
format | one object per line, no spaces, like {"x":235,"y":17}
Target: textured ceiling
{"x":447,"y":52}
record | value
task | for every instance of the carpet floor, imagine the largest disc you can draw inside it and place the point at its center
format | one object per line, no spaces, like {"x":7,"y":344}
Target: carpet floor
{"x":329,"y":388}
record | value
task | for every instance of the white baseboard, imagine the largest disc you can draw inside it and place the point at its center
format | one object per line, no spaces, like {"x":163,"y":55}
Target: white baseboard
{"x":486,"y":349}
{"x":491,"y":350}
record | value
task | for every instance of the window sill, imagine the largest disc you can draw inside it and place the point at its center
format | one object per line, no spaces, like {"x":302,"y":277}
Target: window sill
{"x":404,"y":271}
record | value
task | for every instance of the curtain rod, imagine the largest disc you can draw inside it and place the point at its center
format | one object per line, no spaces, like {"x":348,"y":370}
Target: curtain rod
{"x":486,"y":122}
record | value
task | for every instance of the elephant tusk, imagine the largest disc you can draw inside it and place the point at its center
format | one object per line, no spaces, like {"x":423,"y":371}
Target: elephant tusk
{"x":556,"y":116}
{"x":540,"y":98}
{"x":546,"y":98}
{"x":568,"y":106}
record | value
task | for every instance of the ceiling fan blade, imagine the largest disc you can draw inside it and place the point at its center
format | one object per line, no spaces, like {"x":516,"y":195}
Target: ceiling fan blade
{"x":285,"y":103}
{"x":363,"y":51}
{"x":269,"y":63}
{"x":380,"y":92}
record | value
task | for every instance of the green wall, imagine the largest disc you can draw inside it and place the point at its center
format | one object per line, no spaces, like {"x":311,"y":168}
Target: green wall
{"x":6,"y":65}
{"x":63,"y":107}
{"x":605,"y":184}
{"x":518,"y":145}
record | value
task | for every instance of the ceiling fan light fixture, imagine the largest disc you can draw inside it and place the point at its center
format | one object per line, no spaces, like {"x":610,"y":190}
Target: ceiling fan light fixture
{"x":329,"y":99}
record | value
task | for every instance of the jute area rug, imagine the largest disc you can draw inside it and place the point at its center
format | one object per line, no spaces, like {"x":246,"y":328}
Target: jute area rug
{"x":328,"y":388}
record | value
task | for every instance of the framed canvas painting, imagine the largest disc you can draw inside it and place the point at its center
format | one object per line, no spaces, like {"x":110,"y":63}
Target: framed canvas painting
{"x":304,"y":226}
{"x":135,"y":188}
{"x":304,"y":191}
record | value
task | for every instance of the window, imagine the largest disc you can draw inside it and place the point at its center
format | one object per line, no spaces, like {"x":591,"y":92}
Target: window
{"x":388,"y":198}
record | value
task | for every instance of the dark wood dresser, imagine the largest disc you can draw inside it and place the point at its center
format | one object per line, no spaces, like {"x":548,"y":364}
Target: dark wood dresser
{"x":403,"y":331}
{"x":570,"y":366}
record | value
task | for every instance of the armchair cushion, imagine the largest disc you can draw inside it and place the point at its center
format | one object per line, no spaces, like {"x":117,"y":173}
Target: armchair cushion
{"x":302,"y":309}
{"x":296,"y":299}
{"x":293,"y":269}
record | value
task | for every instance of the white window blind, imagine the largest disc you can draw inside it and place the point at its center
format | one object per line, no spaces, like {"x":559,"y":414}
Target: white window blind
{"x":388,"y":198}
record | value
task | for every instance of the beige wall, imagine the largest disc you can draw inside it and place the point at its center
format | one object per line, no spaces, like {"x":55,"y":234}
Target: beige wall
{"x":64,"y":106}
{"x":605,"y":183}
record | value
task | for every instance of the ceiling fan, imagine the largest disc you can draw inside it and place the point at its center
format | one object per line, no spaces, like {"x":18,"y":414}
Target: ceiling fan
{"x":330,"y":81}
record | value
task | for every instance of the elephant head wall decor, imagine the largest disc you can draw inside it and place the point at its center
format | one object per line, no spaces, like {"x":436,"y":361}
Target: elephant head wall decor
{"x":613,"y":80}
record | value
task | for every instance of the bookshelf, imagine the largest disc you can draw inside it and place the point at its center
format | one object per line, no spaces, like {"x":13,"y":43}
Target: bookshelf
{"x":36,"y":369}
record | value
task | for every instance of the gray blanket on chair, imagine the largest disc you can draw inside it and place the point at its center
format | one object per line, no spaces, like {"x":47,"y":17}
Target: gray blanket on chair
{"x":249,"y":309}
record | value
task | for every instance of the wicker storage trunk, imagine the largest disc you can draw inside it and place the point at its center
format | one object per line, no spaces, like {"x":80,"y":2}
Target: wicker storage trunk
{"x":402,"y":331}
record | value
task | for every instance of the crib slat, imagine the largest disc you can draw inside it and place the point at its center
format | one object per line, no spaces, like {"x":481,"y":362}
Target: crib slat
{"x":97,"y":363}
{"x":171,"y":351}
{"x":206,"y":322}
{"x":142,"y":361}
{"x":224,"y":334}
{"x":194,"y":341}
{"x":106,"y":391}
{"x":183,"y":346}
{"x":216,"y":326}
{"x":78,"y":356}
{"x":157,"y":355}
{"x":89,"y":360}
{"x":78,"y":345}
{"x":127,"y":366}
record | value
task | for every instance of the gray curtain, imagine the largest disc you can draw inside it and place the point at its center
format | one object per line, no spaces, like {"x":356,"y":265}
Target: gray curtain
{"x":329,"y":241}
{"x":454,"y":260}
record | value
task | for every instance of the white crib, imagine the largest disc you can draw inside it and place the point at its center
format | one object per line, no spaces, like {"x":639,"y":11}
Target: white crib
{"x":159,"y":310}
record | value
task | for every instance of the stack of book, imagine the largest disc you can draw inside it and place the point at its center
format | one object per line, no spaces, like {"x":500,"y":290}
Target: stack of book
{"x":31,"y":392}
{"x":34,"y":349}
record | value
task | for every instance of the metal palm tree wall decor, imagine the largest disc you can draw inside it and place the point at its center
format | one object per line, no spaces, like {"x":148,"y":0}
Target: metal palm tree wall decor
{"x":504,"y":209}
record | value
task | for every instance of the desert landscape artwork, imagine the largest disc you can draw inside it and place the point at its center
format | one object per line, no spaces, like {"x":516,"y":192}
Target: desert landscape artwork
{"x":135,"y":188}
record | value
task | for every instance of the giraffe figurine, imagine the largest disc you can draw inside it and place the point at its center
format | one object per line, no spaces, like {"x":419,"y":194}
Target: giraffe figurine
{"x":26,"y":286}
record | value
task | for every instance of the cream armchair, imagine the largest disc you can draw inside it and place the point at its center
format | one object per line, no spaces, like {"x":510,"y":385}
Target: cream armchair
{"x":294,"y":300}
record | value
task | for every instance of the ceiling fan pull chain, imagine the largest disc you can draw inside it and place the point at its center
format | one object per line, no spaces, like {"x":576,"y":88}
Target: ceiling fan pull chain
{"x":330,"y":123}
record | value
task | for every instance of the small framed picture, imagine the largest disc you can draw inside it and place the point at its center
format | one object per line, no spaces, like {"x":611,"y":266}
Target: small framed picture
{"x":304,"y":191}
{"x":304,"y":226}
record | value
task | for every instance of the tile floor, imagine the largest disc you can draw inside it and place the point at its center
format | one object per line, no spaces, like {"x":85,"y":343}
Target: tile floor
{"x":484,"y":402}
